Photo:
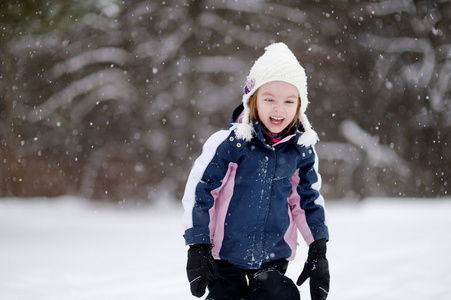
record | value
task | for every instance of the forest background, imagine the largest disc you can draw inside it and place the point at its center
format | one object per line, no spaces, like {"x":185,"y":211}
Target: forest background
{"x":112,"y":100}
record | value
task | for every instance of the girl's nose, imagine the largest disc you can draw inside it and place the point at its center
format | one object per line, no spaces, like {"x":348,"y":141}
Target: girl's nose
{"x":277,"y":107}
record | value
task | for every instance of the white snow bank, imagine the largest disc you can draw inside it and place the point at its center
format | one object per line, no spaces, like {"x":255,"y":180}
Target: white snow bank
{"x":73,"y":249}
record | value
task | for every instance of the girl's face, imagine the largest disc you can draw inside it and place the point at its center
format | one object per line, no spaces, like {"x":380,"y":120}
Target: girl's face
{"x":277,"y":104}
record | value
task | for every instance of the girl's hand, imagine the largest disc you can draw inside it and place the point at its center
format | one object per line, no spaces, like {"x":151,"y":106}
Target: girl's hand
{"x":317,"y":268}
{"x":199,"y":266}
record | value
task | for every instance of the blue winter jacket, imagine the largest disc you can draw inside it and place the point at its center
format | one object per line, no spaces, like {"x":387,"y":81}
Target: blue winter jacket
{"x":248,"y":199}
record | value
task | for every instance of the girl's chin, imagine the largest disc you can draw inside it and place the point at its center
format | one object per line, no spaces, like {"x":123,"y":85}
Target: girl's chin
{"x":275,"y":129}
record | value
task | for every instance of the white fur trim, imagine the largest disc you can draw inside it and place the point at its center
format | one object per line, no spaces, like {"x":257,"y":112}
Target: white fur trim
{"x":243,"y":131}
{"x":308,"y":138}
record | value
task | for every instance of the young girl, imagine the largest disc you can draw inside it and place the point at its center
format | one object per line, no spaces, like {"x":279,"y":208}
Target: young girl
{"x":253,"y":186}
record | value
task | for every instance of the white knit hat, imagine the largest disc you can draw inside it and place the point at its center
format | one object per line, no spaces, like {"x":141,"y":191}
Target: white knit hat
{"x":278,"y":63}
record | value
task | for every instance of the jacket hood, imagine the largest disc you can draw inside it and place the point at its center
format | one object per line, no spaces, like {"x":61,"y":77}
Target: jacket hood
{"x":237,"y":116}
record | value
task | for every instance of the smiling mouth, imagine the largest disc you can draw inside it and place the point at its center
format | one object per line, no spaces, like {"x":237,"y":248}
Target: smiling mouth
{"x":276,"y":120}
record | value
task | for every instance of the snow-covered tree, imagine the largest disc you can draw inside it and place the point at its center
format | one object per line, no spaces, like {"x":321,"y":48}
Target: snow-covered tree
{"x":113,"y":99}
{"x":408,"y":89}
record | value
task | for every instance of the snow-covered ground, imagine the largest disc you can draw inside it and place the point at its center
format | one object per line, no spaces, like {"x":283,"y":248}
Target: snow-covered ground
{"x":69,"y":248}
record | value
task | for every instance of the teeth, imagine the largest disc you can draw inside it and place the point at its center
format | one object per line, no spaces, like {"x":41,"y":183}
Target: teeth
{"x":276,"y":120}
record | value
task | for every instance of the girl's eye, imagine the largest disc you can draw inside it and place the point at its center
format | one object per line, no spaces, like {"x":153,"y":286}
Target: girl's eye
{"x":289,"y":101}
{"x":269,"y":100}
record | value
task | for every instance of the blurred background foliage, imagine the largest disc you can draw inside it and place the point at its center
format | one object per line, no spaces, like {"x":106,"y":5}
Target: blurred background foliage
{"x":112,"y":100}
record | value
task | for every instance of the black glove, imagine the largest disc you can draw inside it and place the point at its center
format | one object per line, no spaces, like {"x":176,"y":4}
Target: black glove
{"x":200,"y":265}
{"x":317,"y":268}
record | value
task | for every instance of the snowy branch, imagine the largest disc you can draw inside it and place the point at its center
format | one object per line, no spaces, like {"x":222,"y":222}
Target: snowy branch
{"x":29,"y":44}
{"x":335,"y":151}
{"x":110,"y":77}
{"x":259,"y":7}
{"x":100,"y":22}
{"x":121,"y":91}
{"x":111,"y":55}
{"x":378,"y":155}
{"x":215,"y":64}
{"x":166,"y":49}
{"x":418,"y":73}
{"x":217,"y":97}
{"x":438,"y":93}
{"x":247,"y":37}
{"x":138,"y":11}
{"x":386,"y":8}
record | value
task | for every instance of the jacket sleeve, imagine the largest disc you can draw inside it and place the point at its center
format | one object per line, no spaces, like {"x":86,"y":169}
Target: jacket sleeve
{"x":308,"y":211}
{"x":206,"y":175}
